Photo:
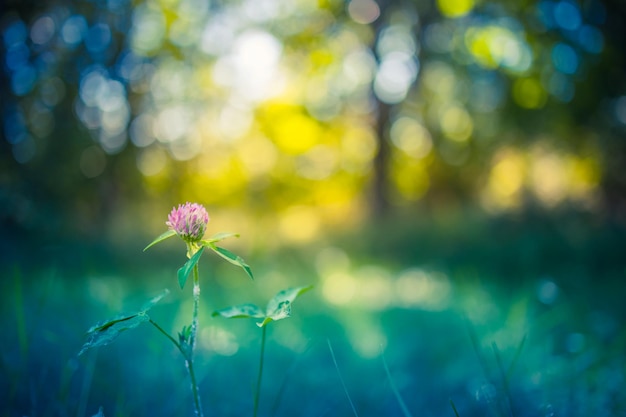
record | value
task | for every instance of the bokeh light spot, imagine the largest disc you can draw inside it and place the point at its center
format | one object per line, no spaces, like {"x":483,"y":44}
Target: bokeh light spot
{"x":42,"y":30}
{"x":410,"y":136}
{"x":547,"y":292}
{"x":17,"y":56}
{"x":591,"y":39}
{"x":565,"y":58}
{"x":73,"y":30}
{"x":456,"y":123}
{"x":151,"y":161}
{"x":363,"y":11}
{"x":417,"y":288}
{"x":567,"y":15}
{"x":505,"y":181}
{"x":561,"y":87}
{"x":395,"y":76}
{"x":295,"y":133}
{"x":299,"y":224}
{"x":148,"y":30}
{"x":98,"y":38}
{"x":528,"y":93}
{"x":23,"y":80}
{"x":24,"y":150}
{"x":455,"y":8}
{"x":14,"y":33}
{"x":339,"y":288}
{"x":142,"y":130}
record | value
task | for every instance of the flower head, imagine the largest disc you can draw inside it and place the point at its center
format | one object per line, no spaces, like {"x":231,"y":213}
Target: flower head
{"x":189,"y":221}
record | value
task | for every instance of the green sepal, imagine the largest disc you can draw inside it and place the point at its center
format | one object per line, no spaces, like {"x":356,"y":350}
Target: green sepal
{"x":105,"y":332}
{"x":240,"y":311}
{"x":161,"y":238}
{"x":184,"y":271}
{"x":232,"y":258}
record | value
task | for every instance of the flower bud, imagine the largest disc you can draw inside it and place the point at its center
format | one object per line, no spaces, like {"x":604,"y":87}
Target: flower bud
{"x":189,"y":221}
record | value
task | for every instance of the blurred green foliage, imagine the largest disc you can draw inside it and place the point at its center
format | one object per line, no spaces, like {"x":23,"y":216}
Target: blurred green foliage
{"x":312,"y":113}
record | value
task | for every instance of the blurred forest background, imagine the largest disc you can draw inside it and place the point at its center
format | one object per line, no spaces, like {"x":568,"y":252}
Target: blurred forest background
{"x":423,"y":163}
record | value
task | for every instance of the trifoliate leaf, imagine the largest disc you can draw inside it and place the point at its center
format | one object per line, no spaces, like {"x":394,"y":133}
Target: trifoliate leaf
{"x":275,"y":306}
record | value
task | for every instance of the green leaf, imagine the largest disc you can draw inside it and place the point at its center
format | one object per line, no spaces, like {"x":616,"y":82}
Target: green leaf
{"x":184,"y":271}
{"x":154,"y":300}
{"x":279,"y":307}
{"x":232,"y":258}
{"x":219,"y":236}
{"x":240,"y":311}
{"x":105,"y":332}
{"x":282,"y":311}
{"x":161,"y":238}
{"x":275,"y":306}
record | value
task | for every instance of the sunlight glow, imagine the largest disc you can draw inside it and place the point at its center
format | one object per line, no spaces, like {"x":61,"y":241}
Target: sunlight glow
{"x":218,"y":340}
{"x":418,"y":288}
{"x":505,"y":180}
{"x":299,"y":224}
{"x":339,"y":288}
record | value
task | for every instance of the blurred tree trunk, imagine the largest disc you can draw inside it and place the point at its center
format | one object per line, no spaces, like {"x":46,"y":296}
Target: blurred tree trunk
{"x":379,"y":201}
{"x":380,"y":183}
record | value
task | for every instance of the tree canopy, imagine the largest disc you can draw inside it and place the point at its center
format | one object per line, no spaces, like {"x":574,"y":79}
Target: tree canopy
{"x":325,"y":112}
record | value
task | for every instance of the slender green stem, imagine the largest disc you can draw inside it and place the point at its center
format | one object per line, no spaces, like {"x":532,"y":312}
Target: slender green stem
{"x":166,"y":334}
{"x":192,"y":341}
{"x":196,"y":303}
{"x":194,"y":388}
{"x":189,"y":364}
{"x":258,"y":381}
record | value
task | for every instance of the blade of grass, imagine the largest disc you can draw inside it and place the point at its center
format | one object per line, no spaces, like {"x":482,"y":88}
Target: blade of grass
{"x":20,"y":321}
{"x":505,"y":382}
{"x":288,"y":374}
{"x":477,"y":350}
{"x":405,"y":409}
{"x":456,"y":413}
{"x":345,"y":389}
{"x":518,"y":353}
{"x":86,"y":386}
{"x":483,"y":363}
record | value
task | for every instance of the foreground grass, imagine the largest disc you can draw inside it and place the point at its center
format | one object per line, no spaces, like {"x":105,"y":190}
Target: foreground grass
{"x":540,"y":336}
